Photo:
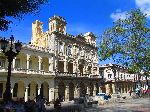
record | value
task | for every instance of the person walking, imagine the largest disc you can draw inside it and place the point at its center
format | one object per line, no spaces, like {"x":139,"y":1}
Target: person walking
{"x":130,"y":92}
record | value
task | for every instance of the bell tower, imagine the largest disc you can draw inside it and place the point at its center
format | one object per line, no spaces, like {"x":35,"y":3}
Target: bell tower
{"x":37,"y":32}
{"x":57,"y":23}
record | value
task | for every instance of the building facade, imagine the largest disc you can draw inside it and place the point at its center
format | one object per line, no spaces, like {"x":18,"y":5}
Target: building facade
{"x":54,"y":63}
{"x":119,"y":80}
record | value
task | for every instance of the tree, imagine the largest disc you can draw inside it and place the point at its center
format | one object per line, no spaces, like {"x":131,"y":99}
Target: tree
{"x":17,"y":9}
{"x":127,"y":42}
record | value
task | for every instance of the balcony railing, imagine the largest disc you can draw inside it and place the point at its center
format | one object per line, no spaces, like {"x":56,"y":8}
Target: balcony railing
{"x":3,"y":69}
{"x":67,"y":74}
{"x":95,"y":76}
{"x":26,"y":71}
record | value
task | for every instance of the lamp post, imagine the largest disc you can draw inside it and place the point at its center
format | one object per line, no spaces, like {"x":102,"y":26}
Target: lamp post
{"x":7,"y":47}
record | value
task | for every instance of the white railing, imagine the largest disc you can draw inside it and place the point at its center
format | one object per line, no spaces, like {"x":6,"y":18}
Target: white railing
{"x":37,"y":48}
{"x":26,"y":71}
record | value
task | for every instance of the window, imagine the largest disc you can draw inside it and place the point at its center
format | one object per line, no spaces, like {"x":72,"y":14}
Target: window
{"x":17,"y":63}
{"x":70,"y":67}
{"x":61,"y":47}
{"x":109,"y":75}
{"x":30,"y":64}
{"x":29,"y":90}
{"x":1,"y":90}
{"x":89,"y":69}
{"x":15,"y":90}
{"x":124,"y":77}
{"x":2,"y":63}
{"x":42,"y":66}
{"x":69,"y":50}
{"x":121,"y":76}
{"x":79,"y":50}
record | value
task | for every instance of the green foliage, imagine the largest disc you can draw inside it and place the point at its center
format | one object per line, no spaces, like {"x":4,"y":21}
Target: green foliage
{"x":17,"y":9}
{"x":128,"y":42}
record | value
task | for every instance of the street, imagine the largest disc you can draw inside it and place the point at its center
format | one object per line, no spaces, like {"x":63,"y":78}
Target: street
{"x":132,"y":105}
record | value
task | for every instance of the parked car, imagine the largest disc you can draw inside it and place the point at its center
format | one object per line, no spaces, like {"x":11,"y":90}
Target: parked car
{"x":101,"y":94}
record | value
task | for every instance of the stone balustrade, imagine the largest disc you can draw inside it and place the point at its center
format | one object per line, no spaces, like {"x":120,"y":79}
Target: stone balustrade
{"x":37,"y":48}
{"x":26,"y":71}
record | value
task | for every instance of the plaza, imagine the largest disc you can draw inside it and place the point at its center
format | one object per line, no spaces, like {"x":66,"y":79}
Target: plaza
{"x":57,"y":64}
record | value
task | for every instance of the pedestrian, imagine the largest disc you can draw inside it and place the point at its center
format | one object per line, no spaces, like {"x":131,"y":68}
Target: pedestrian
{"x":130,"y":91}
{"x":40,"y":101}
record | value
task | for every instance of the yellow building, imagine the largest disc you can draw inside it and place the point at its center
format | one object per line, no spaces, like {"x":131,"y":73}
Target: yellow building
{"x":55,"y":63}
{"x":119,"y":80}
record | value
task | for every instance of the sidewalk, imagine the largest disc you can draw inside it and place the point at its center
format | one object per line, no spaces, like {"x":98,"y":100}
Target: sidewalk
{"x":65,"y":107}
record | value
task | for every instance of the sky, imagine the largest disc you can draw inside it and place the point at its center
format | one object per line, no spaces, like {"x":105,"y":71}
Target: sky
{"x":81,"y":16}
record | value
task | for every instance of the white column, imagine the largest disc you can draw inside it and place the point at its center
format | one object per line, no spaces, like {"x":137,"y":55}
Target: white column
{"x":67,"y":93}
{"x":26,"y":94}
{"x":113,"y":88}
{"x":84,"y":69}
{"x":13,"y":64}
{"x":107,"y":88}
{"x":97,"y":70}
{"x":40,"y":61}
{"x":50,"y":64}
{"x":74,"y":67}
{"x":65,"y":66}
{"x":75,"y":92}
{"x":100,"y":89}
{"x":39,"y":88}
{"x":50,"y":94}
{"x":94,"y":91}
{"x":87,"y":90}
{"x":12,"y":91}
{"x":28,"y":59}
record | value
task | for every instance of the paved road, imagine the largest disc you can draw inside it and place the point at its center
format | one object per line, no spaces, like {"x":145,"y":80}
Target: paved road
{"x":132,"y":105}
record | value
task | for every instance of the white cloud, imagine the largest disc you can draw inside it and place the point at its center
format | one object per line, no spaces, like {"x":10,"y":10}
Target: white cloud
{"x":144,"y":5}
{"x":118,"y":15}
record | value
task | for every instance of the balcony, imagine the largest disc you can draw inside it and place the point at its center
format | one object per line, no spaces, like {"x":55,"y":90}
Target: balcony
{"x":3,"y":69}
{"x":83,"y":75}
{"x":67,"y":74}
{"x":95,"y":76}
{"x":26,"y":71}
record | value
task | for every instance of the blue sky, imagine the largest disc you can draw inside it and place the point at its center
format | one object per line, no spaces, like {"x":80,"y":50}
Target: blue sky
{"x":81,"y":15}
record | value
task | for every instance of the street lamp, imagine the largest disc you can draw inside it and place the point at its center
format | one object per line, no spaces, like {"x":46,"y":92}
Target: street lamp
{"x":7,"y":47}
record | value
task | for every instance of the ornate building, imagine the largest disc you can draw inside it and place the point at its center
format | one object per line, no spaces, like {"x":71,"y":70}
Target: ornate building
{"x":55,"y":63}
